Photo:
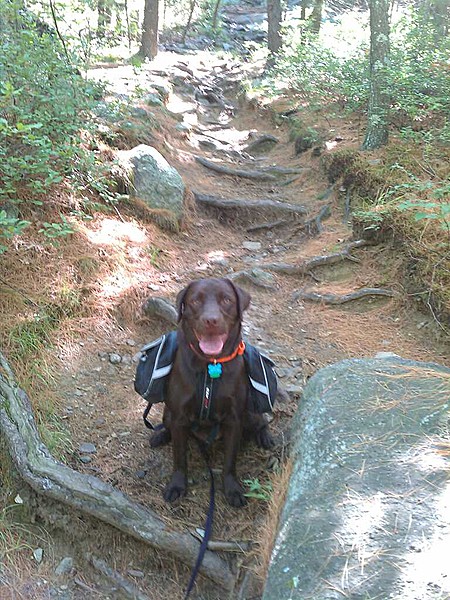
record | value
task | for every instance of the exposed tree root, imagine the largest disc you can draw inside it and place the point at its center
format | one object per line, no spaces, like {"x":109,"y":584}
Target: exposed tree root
{"x":224,"y":170}
{"x":308,"y":265}
{"x":86,"y":493}
{"x":335,"y":299}
{"x":271,"y":225}
{"x":259,"y":208}
{"x":314,"y":226}
{"x":127,"y":588}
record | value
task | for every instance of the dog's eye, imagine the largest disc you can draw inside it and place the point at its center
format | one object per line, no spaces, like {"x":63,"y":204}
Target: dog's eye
{"x":227,"y":300}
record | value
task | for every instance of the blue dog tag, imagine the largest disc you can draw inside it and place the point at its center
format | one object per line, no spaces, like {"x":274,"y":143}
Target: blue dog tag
{"x":214,"y":370}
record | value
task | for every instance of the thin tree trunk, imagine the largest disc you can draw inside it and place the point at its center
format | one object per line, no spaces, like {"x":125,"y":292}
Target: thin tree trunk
{"x":149,"y":40}
{"x":304,"y":5}
{"x":377,"y":133}
{"x":274,"y":40}
{"x":189,"y":21}
{"x":215,"y":14}
{"x":104,"y":17}
{"x":127,"y":19}
{"x":315,"y":18}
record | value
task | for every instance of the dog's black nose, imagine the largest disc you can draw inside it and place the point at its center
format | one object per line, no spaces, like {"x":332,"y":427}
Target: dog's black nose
{"x":210,"y":321}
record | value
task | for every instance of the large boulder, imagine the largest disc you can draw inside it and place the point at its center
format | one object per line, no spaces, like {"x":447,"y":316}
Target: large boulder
{"x":367,"y":513}
{"x":153,"y":179}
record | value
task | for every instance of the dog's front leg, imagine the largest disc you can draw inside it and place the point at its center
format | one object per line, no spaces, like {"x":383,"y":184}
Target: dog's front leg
{"x":177,"y":486}
{"x":232,"y":433}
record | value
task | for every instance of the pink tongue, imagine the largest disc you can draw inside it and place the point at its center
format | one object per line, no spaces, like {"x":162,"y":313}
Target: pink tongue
{"x":211,"y":345}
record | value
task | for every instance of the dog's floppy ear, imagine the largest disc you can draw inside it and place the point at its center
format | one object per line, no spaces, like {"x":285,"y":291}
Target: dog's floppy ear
{"x":180,"y":301}
{"x":243,"y":298}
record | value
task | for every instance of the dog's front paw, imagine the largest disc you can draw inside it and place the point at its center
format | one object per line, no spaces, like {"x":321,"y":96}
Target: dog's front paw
{"x":234,"y":492}
{"x":264,"y":439}
{"x":160,"y":438}
{"x":176,"y":488}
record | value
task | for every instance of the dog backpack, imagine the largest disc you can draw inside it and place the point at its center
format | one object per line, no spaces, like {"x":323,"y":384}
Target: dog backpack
{"x":157,"y":358}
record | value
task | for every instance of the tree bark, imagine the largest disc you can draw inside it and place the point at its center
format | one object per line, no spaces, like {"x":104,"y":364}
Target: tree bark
{"x":315,"y":18}
{"x":149,"y":40}
{"x":274,"y":40}
{"x":377,"y":133}
{"x":215,"y":14}
{"x":86,"y":493}
{"x":104,"y":17}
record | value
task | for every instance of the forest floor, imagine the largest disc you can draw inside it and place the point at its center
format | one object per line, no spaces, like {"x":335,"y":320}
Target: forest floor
{"x":137,"y":260}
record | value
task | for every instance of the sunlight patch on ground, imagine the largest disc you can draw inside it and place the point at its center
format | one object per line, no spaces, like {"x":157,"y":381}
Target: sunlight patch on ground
{"x":428,"y":564}
{"x":112,"y":232}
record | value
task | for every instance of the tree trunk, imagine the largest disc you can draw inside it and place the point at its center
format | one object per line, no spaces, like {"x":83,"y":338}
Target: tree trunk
{"x":377,"y":132}
{"x":304,"y":6}
{"x":315,"y":18}
{"x":104,"y":17}
{"x":437,"y":12}
{"x":274,"y":26}
{"x":189,"y":21}
{"x":215,"y":14}
{"x":149,"y":40}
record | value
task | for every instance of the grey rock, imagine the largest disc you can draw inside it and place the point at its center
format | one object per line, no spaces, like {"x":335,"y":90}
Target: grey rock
{"x":38,"y":554}
{"x":367,"y":480}
{"x":159,"y":307}
{"x":183,"y":127}
{"x":136,"y":573}
{"x":114,"y":358}
{"x":153,"y":100}
{"x":65,"y":566}
{"x":87,"y":448}
{"x":85,"y":459}
{"x":254,"y":246}
{"x":154,"y":180}
{"x":139,"y":113}
{"x":127,"y":359}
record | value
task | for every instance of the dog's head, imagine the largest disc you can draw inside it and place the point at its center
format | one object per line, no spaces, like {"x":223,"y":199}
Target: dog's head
{"x":210,"y":314}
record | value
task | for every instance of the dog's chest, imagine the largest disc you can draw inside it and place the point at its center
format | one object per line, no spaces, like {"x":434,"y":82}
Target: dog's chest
{"x":215,"y":398}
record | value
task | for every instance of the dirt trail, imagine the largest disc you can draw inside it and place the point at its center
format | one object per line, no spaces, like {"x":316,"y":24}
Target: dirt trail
{"x":99,"y":404}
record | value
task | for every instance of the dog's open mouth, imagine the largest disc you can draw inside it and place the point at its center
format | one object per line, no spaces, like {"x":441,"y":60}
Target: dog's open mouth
{"x":212,"y":345}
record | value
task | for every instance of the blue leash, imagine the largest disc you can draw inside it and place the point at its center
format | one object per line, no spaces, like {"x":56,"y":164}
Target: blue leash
{"x":203,"y":447}
{"x":208,"y":523}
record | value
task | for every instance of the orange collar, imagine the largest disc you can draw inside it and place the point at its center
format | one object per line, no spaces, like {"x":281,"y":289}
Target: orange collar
{"x":238,"y":352}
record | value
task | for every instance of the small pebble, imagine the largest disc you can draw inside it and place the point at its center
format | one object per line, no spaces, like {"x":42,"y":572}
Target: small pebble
{"x":136,"y":573}
{"x":252,"y":245}
{"x":114,"y":358}
{"x":64,"y":567}
{"x":38,"y":554}
{"x":87,"y":448}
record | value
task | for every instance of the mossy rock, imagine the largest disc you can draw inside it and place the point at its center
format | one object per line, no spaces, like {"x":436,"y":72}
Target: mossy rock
{"x":355,"y":173}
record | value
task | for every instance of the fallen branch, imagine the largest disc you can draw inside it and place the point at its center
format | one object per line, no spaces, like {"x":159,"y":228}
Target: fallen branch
{"x":262,"y":207}
{"x":336,"y":299}
{"x":317,"y":261}
{"x":218,"y":168}
{"x":87,"y":493}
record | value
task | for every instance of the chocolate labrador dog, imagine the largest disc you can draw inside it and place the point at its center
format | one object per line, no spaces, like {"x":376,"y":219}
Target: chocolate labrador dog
{"x":209,"y":341}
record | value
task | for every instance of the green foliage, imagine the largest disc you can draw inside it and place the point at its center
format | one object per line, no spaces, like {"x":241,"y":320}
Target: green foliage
{"x":13,"y":535}
{"x":418,"y":78}
{"x":53,"y":231}
{"x":9,"y":227}
{"x":258,"y":490}
{"x":44,"y":104}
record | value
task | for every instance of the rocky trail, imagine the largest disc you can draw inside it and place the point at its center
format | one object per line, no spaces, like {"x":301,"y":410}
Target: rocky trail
{"x":266,"y":217}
